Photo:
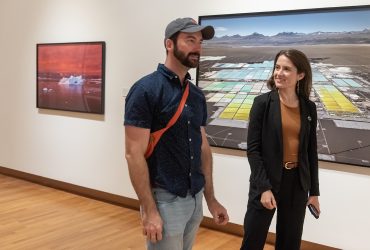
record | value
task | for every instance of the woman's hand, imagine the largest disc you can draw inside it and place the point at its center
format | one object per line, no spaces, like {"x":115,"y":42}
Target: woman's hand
{"x":268,"y":200}
{"x":314,"y":200}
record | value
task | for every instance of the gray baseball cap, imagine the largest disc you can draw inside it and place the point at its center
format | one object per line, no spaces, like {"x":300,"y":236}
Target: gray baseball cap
{"x":188,"y":25}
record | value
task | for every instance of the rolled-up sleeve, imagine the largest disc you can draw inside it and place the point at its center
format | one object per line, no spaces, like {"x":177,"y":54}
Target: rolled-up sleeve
{"x":138,"y":108}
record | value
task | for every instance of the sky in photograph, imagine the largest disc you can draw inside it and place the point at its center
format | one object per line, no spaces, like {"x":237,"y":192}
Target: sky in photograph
{"x":274,"y":23}
{"x":70,"y":58}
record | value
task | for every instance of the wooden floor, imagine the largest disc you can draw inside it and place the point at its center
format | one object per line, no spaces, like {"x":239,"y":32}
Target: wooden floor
{"x":35,"y":217}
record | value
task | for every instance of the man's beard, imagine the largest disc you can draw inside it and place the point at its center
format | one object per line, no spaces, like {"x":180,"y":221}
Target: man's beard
{"x":185,"y":59}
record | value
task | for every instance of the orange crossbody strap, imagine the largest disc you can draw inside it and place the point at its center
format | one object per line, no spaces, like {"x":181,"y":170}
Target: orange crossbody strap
{"x":155,"y":136}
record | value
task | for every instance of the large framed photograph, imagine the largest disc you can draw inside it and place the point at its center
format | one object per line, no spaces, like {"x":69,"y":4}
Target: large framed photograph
{"x":237,"y":62}
{"x":70,"y":76}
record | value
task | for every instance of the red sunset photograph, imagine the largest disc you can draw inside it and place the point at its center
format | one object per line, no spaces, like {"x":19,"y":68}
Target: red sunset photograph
{"x":70,"y":76}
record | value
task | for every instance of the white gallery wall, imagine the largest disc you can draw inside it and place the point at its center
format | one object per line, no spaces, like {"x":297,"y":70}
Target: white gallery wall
{"x":88,"y":150}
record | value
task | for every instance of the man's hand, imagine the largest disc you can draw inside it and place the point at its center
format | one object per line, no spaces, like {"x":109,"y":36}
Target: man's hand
{"x":152,"y":225}
{"x":218,"y":212}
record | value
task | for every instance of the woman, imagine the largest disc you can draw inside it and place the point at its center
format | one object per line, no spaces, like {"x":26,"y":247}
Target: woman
{"x":282,"y":153}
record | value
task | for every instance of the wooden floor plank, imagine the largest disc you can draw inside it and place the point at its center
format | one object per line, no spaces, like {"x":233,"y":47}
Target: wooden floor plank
{"x":33,"y":217}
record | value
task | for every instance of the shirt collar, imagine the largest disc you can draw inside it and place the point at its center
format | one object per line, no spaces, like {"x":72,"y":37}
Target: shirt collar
{"x":169,"y":74}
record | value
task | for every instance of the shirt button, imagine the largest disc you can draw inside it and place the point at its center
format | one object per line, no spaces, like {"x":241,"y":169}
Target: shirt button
{"x":190,"y":174}
{"x":186,"y":105}
{"x":191,"y":157}
{"x":188,"y":122}
{"x":189,"y":139}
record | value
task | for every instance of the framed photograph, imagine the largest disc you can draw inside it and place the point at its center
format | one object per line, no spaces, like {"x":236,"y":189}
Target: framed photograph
{"x":70,"y":76}
{"x":236,"y":63}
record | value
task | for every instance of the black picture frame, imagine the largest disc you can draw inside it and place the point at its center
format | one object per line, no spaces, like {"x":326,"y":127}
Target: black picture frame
{"x":237,"y":62}
{"x":71,"y":76}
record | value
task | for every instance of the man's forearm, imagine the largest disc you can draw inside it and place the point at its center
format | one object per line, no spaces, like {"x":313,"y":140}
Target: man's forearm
{"x":139,"y":175}
{"x":207,"y":171}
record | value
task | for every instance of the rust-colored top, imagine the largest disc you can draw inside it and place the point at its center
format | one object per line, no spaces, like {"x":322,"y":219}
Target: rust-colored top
{"x":291,"y":125}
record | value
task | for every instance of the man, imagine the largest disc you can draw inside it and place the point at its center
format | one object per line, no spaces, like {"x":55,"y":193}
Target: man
{"x":170,"y":182}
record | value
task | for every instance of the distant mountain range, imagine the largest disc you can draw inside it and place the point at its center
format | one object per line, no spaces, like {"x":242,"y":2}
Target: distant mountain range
{"x":293,"y":38}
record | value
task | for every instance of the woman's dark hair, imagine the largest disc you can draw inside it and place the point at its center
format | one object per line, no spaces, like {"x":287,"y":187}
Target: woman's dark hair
{"x":300,"y":61}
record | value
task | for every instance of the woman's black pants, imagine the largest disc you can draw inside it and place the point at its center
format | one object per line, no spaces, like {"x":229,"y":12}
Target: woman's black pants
{"x":291,"y":208}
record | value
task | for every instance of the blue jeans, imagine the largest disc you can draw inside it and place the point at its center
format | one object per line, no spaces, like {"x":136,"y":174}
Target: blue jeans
{"x":181,"y":219}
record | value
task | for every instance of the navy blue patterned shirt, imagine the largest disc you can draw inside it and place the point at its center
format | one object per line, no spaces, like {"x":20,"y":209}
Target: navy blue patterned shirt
{"x":175,"y":164}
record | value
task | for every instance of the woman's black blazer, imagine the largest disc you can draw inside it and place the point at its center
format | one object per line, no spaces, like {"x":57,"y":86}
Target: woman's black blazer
{"x":265,"y":145}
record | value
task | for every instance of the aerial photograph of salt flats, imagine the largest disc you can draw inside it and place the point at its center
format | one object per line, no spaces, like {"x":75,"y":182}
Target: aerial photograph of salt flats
{"x":236,"y":64}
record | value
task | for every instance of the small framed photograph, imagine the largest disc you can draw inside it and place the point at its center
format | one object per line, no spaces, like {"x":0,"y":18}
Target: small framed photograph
{"x":70,"y":76}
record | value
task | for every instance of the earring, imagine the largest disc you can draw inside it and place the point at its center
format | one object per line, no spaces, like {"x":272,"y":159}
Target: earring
{"x":297,"y":87}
